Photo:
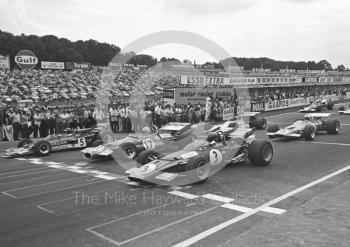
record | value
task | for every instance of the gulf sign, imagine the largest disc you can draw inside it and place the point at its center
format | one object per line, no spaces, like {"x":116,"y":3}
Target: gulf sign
{"x":26,"y":59}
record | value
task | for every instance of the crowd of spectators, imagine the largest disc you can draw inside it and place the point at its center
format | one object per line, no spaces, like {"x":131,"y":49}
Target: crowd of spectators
{"x":278,"y":93}
{"x":74,"y":93}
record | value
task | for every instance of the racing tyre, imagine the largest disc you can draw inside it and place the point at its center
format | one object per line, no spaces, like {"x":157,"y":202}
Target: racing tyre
{"x":97,"y":143}
{"x":42,"y":148}
{"x":130,"y":149}
{"x":309,"y":132}
{"x":341,"y":108}
{"x":333,"y":126}
{"x":24,"y":142}
{"x":147,"y":156}
{"x":202,"y":167}
{"x":260,"y":152}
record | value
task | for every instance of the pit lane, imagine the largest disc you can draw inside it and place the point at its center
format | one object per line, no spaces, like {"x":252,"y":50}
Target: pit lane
{"x":63,"y":200}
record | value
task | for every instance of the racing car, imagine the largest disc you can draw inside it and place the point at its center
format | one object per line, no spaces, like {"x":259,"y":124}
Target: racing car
{"x":203,"y":157}
{"x":344,"y":110}
{"x":70,"y":139}
{"x":318,"y":106}
{"x":306,"y":128}
{"x":133,"y":144}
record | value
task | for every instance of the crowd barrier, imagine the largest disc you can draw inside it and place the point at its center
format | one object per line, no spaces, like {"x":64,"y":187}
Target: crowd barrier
{"x":265,"y":106}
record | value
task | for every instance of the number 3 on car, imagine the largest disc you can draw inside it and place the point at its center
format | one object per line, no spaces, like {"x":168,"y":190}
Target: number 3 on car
{"x":81,"y":142}
{"x":215,"y":157}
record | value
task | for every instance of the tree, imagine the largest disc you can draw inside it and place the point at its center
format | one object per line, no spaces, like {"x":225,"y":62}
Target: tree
{"x":325,"y":65}
{"x":340,"y":68}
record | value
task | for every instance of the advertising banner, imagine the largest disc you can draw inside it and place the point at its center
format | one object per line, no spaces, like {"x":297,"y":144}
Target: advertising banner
{"x":257,"y":106}
{"x":183,"y":96}
{"x":220,"y":81}
{"x":73,"y":65}
{"x":285,"y":103}
{"x":277,"y":104}
{"x":52,"y":65}
{"x":228,"y":113}
{"x":26,"y":59}
{"x":4,"y":62}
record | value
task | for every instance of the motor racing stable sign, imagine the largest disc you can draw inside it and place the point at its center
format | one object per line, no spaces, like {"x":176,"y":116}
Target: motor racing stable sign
{"x":228,"y":113}
{"x":26,"y":59}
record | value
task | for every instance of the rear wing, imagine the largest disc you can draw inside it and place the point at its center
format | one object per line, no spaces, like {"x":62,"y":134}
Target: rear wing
{"x":174,"y":126}
{"x":317,"y":115}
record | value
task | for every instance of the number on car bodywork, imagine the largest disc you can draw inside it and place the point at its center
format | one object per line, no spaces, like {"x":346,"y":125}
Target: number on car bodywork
{"x":82,"y":142}
{"x":215,"y":157}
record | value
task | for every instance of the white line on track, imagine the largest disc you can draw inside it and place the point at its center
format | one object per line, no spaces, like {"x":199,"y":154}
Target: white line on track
{"x":12,"y":196}
{"x":218,"y":198}
{"x":281,"y":114}
{"x":326,"y":143}
{"x":23,"y":171}
{"x":39,"y":185}
{"x":46,"y":169}
{"x":241,"y":217}
{"x":51,"y":191}
{"x":45,"y":210}
{"x":183,"y":194}
{"x":152,"y":231}
{"x":126,"y":217}
{"x":30,"y":178}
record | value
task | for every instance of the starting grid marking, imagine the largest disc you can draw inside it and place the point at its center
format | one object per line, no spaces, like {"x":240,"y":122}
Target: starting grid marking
{"x":227,"y":202}
{"x":77,"y":168}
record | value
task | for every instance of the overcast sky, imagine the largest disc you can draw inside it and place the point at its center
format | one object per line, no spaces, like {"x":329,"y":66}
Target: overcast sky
{"x":279,"y":29}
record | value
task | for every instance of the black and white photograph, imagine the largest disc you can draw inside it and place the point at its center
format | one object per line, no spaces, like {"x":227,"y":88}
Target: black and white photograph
{"x":174,"y":123}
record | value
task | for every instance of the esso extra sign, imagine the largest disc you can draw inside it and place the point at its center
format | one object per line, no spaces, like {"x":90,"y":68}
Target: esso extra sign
{"x":26,"y":59}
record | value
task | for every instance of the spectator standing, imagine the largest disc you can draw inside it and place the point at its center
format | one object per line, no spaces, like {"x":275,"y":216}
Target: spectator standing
{"x":15,"y":120}
{"x":24,"y":123}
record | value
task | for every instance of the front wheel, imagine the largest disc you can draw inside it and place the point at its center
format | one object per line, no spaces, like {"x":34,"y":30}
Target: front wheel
{"x":147,"y":156}
{"x":309,"y":132}
{"x":42,"y":148}
{"x":201,"y":166}
{"x":260,"y":152}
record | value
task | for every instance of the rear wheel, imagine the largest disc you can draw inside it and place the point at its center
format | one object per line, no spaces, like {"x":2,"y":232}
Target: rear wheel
{"x":309,"y":132}
{"x":42,"y":148}
{"x":24,"y":142}
{"x":260,"y":152}
{"x":333,"y":126}
{"x":147,"y":156}
{"x":130,"y":149}
{"x":202,"y":167}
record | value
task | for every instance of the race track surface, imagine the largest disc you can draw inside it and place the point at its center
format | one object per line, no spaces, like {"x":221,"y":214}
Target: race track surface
{"x":301,"y":199}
